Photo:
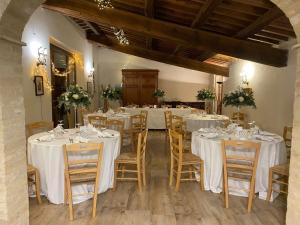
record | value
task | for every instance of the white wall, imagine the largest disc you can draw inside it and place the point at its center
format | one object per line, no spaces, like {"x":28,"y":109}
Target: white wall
{"x":45,"y":26}
{"x":179,"y":83}
{"x":273,"y":91}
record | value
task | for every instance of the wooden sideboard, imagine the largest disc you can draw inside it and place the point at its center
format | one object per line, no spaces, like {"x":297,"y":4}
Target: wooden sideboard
{"x":139,"y":86}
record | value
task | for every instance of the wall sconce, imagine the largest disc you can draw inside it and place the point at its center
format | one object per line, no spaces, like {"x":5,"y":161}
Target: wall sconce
{"x":245,"y":81}
{"x":42,"y":56}
{"x":91,"y":82}
{"x":246,"y":74}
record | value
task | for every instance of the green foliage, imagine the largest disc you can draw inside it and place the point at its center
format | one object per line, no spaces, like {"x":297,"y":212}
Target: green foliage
{"x":240,"y":97}
{"x":205,"y":94}
{"x":112,"y":94}
{"x":75,"y":96}
{"x":159,"y":93}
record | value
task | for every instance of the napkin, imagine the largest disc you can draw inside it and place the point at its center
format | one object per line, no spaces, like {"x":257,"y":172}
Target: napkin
{"x":80,"y":139}
{"x":264,"y":138}
{"x":58,"y":129}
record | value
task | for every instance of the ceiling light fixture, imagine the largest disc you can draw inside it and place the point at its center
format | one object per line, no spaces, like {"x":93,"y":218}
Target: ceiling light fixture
{"x":120,"y":35}
{"x":104,"y":4}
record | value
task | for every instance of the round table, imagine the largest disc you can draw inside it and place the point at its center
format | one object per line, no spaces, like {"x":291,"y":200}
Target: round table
{"x":47,"y":157}
{"x":272,"y":152}
{"x":125,"y":117}
{"x":196,"y":121}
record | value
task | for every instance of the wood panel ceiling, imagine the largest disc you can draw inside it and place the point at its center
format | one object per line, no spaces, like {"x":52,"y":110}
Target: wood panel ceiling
{"x":257,"y":26}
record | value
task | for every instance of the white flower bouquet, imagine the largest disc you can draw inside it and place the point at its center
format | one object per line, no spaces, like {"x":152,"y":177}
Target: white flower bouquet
{"x":205,"y":94}
{"x":239,"y":97}
{"x":74,"y":97}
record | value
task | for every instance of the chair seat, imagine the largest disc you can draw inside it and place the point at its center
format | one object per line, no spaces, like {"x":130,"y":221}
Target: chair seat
{"x":127,"y":157}
{"x":31,"y":169}
{"x":189,"y":158}
{"x":282,"y":169}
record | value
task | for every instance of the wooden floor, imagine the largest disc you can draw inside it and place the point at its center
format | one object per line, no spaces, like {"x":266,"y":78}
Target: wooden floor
{"x":159,"y":204}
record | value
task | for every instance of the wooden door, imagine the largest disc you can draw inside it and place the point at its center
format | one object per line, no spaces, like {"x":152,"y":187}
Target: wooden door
{"x":139,"y":86}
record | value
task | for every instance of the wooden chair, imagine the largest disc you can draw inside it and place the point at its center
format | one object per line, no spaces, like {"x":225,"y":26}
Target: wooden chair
{"x":33,"y":174}
{"x":287,"y":137}
{"x":168,"y":122}
{"x":240,"y":167}
{"x":82,"y":112}
{"x":98,"y":121}
{"x":117,"y":125}
{"x":180,"y":126}
{"x":144,"y":113}
{"x":179,"y":160}
{"x":82,"y":170}
{"x":136,"y":159}
{"x":33,"y":177}
{"x":38,"y":127}
{"x":281,"y":177}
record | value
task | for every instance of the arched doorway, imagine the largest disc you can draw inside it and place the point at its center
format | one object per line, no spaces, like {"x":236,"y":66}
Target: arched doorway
{"x":13,"y":198}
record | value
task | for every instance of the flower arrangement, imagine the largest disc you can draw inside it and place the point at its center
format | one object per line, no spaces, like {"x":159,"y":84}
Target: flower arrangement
{"x":159,"y":93}
{"x":75,"y":96}
{"x":239,"y":97}
{"x":206,"y":94}
{"x":112,"y":94}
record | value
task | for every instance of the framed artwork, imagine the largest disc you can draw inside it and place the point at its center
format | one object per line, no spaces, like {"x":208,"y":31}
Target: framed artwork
{"x":39,"y":85}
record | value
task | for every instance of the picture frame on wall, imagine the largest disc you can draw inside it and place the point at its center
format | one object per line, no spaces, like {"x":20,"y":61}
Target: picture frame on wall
{"x":39,"y":85}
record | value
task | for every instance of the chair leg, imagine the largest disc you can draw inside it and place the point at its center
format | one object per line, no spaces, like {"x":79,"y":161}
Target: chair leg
{"x":144,"y":171}
{"x":202,"y":176}
{"x":95,"y":198}
{"x":270,"y":186}
{"x":38,"y":187}
{"x":171,"y":171}
{"x":178,"y":177}
{"x":65,"y":191}
{"x":69,"y":188}
{"x":115,"y":175}
{"x":226,"y":189}
{"x":251,"y":195}
{"x":139,"y":177}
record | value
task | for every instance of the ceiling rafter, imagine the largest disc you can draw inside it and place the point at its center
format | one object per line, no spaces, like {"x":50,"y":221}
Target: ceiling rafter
{"x":160,"y":56}
{"x":149,"y":12}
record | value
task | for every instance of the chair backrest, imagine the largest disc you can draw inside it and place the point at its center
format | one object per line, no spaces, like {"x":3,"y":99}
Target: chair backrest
{"x":176,"y":145}
{"x":136,"y":122}
{"x":117,"y":125}
{"x":238,"y":116}
{"x":83,"y":158}
{"x":141,"y":144}
{"x":144,"y":113}
{"x":168,"y":119}
{"x":240,"y":158}
{"x":98,"y":121}
{"x":177,"y":124}
{"x":38,"y":127}
{"x":287,"y":135}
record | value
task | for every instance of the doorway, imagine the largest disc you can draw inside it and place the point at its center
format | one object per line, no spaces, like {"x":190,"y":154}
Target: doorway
{"x":63,"y":73}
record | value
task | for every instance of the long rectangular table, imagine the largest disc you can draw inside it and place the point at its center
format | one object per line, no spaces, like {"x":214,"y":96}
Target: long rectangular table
{"x":156,"y":117}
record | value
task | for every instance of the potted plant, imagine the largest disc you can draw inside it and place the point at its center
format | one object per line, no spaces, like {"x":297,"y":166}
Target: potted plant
{"x":208,"y":96}
{"x":159,"y":94}
{"x":75,"y":97}
{"x":110,"y":94}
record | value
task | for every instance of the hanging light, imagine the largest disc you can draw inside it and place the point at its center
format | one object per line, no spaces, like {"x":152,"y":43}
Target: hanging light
{"x":104,"y":4}
{"x":120,"y":35}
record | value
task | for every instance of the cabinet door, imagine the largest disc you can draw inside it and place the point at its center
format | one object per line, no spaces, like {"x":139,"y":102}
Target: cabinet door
{"x":148,"y":86}
{"x":131,"y":89}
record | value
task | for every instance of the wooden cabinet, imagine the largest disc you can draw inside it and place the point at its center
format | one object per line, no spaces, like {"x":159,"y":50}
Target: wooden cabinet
{"x":139,"y":86}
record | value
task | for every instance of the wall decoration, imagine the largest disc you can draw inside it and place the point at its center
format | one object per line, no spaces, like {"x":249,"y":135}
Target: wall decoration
{"x":39,"y":85}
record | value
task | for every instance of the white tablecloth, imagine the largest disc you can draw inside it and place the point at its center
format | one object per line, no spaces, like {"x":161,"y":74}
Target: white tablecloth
{"x":118,"y":116}
{"x":48,"y":158}
{"x":271,"y":153}
{"x":194,"y":121}
{"x":156,"y":117}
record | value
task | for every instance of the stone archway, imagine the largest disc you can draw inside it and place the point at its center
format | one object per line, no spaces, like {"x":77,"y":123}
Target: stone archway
{"x":14,"y":14}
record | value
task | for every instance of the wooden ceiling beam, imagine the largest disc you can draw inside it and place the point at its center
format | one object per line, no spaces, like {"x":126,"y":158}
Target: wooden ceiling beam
{"x":161,"y":57}
{"x":260,"y":23}
{"x":202,"y":16}
{"x":171,"y":32}
{"x":149,"y":12}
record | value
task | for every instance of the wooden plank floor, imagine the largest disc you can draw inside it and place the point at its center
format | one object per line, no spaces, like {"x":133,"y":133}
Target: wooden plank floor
{"x":159,"y":204}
